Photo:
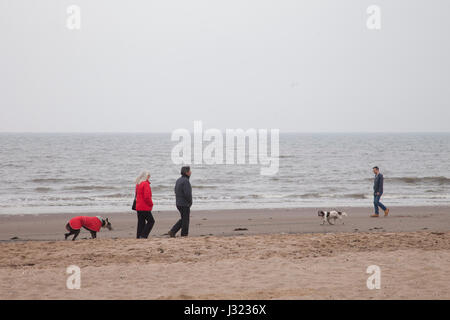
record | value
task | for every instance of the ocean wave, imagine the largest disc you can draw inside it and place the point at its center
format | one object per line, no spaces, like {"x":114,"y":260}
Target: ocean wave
{"x":55,"y":180}
{"x":117,"y":195}
{"x":303,"y":196}
{"x":250,"y":196}
{"x":311,"y":195}
{"x":89,"y":188}
{"x":69,"y":199}
{"x":286,"y":156}
{"x":161,"y":187}
{"x":48,"y":180}
{"x":203,"y":187}
{"x":284,"y":179}
{"x":11,"y":165}
{"x":42,"y":189}
{"x":441,"y":180}
{"x":355,"y":196}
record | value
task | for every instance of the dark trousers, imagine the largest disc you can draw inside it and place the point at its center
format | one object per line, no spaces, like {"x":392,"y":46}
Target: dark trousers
{"x":145,"y":224}
{"x":377,"y":203}
{"x":183,"y":223}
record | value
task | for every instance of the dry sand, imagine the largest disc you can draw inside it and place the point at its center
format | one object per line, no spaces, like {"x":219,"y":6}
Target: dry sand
{"x":285,"y":254}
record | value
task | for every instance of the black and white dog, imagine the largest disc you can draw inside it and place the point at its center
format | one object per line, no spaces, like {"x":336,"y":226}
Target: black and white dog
{"x":332,"y":215}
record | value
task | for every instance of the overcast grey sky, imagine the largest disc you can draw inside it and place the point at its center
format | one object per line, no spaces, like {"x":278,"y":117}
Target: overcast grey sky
{"x":158,"y":65}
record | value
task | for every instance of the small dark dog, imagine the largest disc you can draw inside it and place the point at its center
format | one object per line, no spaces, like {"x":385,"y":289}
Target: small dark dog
{"x":92,"y":224}
{"x":331,"y":216}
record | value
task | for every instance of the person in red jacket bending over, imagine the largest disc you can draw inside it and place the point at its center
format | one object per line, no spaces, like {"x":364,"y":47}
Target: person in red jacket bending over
{"x":144,"y":206}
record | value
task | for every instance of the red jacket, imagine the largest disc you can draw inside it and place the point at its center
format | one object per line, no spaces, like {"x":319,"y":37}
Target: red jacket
{"x":144,"y":197}
{"x":92,"y":223}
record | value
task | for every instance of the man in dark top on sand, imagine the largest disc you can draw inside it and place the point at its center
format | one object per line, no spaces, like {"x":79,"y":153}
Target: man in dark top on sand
{"x":183,"y":195}
{"x":377,"y":192}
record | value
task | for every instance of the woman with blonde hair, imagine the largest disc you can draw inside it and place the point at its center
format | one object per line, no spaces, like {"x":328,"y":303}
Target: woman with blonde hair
{"x":144,"y":205}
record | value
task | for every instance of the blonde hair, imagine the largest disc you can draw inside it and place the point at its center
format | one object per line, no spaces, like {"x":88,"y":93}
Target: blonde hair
{"x":142,"y":177}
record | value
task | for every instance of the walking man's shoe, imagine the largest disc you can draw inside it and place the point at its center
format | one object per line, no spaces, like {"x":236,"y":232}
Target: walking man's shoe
{"x":386,"y":212}
{"x":374,"y":215}
{"x":171,"y":234}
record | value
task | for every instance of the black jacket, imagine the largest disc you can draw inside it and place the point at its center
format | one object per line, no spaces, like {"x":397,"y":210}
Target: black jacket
{"x":183,"y":192}
{"x":378,"y":184}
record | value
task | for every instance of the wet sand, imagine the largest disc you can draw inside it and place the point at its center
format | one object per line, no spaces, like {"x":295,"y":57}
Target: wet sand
{"x":225,"y":222}
{"x":284,"y":254}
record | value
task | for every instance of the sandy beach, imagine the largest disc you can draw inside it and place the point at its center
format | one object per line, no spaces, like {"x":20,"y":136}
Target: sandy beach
{"x":233,"y":254}
{"x":250,"y":117}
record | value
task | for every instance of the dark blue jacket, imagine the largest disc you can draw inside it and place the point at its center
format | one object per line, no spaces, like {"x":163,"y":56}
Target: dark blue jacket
{"x":183,"y":192}
{"x":378,"y":184}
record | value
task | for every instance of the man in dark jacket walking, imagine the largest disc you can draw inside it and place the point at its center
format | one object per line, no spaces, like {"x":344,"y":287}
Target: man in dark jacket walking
{"x":377,"y":192}
{"x":183,"y":195}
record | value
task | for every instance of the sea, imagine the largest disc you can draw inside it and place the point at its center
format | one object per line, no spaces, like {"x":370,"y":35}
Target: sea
{"x":95,"y":172}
